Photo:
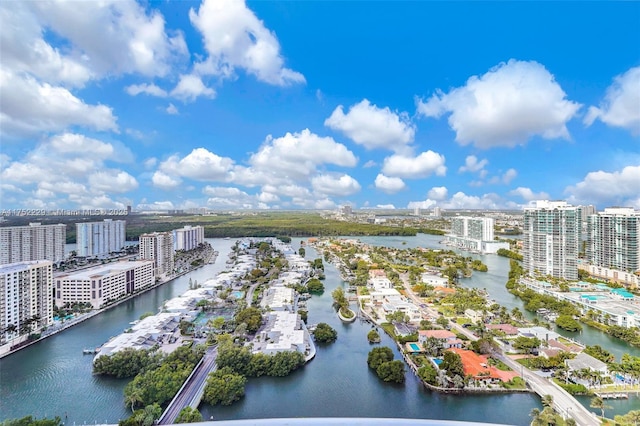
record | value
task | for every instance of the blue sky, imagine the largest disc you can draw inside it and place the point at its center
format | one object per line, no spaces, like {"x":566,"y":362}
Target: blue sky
{"x":309,"y":104}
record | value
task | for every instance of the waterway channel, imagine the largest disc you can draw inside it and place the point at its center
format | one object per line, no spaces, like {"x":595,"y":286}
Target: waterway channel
{"x":53,"y":378}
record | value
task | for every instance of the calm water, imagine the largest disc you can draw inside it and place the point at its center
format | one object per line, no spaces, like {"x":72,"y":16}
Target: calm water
{"x":54,"y":378}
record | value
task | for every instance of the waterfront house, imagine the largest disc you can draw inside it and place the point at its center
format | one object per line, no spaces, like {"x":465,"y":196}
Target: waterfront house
{"x":583,"y":361}
{"x":448,"y":338}
{"x":434,"y":280}
{"x":508,"y":329}
{"x":477,"y":367}
{"x":378,"y":280}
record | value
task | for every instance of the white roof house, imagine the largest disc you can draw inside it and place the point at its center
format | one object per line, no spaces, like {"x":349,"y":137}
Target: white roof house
{"x":584,"y":361}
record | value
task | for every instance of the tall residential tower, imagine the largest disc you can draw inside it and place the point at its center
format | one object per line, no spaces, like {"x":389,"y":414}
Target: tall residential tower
{"x":33,"y":242}
{"x":158,"y":246}
{"x":551,"y":239}
{"x":188,"y":238}
{"x":26,"y":298}
{"x":100,"y":238}
{"x":613,"y":245}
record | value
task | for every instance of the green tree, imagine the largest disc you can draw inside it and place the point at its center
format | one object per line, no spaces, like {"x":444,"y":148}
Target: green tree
{"x":526,"y":344}
{"x":302,"y":251}
{"x":391,"y":371}
{"x":567,"y":322}
{"x":189,"y":415}
{"x":632,"y":418}
{"x":324,"y":333}
{"x":218,"y":323}
{"x":143,"y":417}
{"x":224,"y":387}
{"x":315,"y":286}
{"x":339,"y":298}
{"x":30,"y":421}
{"x":547,"y":401}
{"x":443,"y":321}
{"x":600,"y":353}
{"x":452,"y":363}
{"x":125,"y":363}
{"x":598,"y":403}
{"x":378,"y":356}
{"x":428,"y":373}
{"x":373,"y":336}
{"x":250,"y":316}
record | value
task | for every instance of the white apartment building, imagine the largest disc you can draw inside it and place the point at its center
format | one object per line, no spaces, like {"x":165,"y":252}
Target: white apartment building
{"x":474,"y":234}
{"x":33,"y":242}
{"x":551,"y":236}
{"x":613,"y":239}
{"x":104,"y":283}
{"x":100,"y":238}
{"x":25,"y":295}
{"x":188,"y":238}
{"x":158,"y":246}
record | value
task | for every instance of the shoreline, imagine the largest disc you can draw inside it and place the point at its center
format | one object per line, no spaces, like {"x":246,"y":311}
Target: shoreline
{"x":83,"y":317}
{"x":453,"y":391}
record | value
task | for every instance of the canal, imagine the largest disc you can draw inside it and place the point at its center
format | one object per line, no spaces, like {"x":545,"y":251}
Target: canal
{"x":53,"y":378}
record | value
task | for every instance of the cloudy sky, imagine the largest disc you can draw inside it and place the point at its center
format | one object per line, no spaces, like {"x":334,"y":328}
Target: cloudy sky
{"x":302,"y":105}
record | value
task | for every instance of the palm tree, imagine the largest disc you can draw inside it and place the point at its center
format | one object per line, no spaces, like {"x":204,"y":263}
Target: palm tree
{"x":547,"y":401}
{"x":598,"y":402}
{"x":133,"y":397}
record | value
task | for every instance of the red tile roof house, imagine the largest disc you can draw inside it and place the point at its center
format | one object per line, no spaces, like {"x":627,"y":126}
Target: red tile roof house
{"x":477,"y":367}
{"x":449,"y":339}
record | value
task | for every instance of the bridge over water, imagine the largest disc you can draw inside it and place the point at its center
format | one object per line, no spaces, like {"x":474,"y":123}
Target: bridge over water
{"x":190,"y":394}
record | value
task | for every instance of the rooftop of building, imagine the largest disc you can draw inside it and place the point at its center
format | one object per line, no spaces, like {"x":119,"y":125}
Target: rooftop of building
{"x":438,"y":334}
{"x":106,"y":269}
{"x":20,"y":266}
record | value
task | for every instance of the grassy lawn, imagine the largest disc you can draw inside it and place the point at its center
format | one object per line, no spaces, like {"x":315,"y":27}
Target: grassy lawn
{"x":499,"y":364}
{"x":515,"y":383}
{"x":463,"y":321}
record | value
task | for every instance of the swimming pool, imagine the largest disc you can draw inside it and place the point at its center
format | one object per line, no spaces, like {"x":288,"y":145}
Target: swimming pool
{"x":237,"y":294}
{"x":414,"y":347}
{"x":436,"y":361}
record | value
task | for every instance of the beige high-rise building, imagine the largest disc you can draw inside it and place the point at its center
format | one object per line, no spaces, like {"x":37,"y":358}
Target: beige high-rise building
{"x":26,"y":298}
{"x":158,"y":246}
{"x":103,"y":284}
{"x":32,"y":242}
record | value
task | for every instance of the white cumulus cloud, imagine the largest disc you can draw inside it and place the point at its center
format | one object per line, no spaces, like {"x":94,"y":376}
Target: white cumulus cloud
{"x":200,"y":164}
{"x":423,"y":165}
{"x":30,"y":107}
{"x":335,"y":184}
{"x":235,"y":38}
{"x":295,"y":155}
{"x":190,"y":87}
{"x":164,"y":181}
{"x":608,"y":188}
{"x":390,"y":185}
{"x":621,"y":105}
{"x":472,"y":165}
{"x":438,"y":193}
{"x":373,"y":127}
{"x":528,"y":195}
{"x":147,"y":89}
{"x":507,"y":106}
{"x":130,"y":40}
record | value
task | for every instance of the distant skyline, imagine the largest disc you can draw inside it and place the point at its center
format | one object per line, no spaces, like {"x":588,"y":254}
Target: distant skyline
{"x":312,"y":105}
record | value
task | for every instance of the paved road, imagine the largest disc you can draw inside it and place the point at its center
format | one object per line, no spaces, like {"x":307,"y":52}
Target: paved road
{"x":192,"y":389}
{"x":565,"y":404}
